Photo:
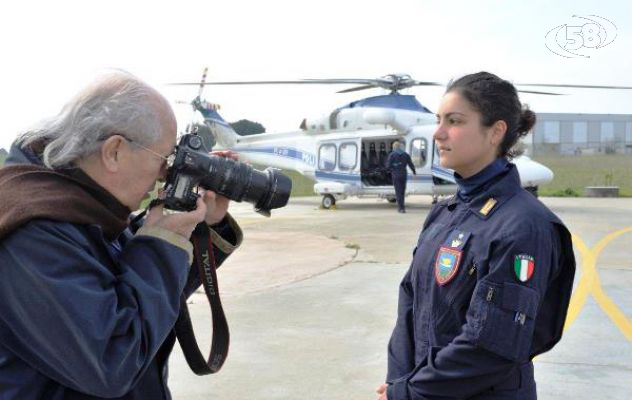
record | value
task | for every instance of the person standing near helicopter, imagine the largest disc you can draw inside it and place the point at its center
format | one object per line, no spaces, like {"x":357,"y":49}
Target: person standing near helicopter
{"x":490,"y":282}
{"x":396,"y":163}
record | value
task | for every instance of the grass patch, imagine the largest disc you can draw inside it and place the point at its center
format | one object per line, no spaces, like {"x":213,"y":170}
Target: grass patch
{"x":301,"y":185}
{"x":3,"y":157}
{"x":574,"y":173}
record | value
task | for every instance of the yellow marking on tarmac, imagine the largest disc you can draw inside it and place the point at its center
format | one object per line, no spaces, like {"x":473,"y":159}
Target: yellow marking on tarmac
{"x":590,"y":284}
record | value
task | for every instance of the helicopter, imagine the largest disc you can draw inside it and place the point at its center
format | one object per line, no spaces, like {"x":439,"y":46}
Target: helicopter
{"x":345,"y":151}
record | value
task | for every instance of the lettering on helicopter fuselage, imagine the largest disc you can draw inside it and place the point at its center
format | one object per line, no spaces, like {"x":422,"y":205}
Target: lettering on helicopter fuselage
{"x":307,"y":158}
{"x":282,"y":151}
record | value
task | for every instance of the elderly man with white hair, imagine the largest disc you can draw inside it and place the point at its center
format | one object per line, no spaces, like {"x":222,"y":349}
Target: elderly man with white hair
{"x":88,"y":302}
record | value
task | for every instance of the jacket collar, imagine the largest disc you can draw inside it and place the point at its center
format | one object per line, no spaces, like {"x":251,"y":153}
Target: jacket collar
{"x":493,"y":195}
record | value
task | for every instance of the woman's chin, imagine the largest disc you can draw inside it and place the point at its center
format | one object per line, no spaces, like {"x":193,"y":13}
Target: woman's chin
{"x":446,"y":164}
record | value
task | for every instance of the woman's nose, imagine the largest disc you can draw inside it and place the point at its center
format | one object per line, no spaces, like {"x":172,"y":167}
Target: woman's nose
{"x":439,"y":133}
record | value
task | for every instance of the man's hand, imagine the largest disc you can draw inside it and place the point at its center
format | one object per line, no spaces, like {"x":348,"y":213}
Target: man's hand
{"x":381,"y":391}
{"x":181,"y":223}
{"x":217,"y":205}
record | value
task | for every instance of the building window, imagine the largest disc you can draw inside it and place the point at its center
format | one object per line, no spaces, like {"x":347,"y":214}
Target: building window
{"x":551,"y":131}
{"x":327,"y":157}
{"x":580,"y":132}
{"x":419,"y":152}
{"x":607,"y":132}
{"x":348,"y":155}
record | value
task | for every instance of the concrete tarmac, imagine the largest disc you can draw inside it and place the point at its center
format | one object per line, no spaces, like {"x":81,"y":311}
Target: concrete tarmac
{"x":311,"y":299}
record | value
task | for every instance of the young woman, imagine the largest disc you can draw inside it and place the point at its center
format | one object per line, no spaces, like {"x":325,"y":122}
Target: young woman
{"x":492,"y":273}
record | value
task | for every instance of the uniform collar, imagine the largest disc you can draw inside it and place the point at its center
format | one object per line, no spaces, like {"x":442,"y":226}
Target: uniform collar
{"x":493,"y":194}
{"x":470,"y":187}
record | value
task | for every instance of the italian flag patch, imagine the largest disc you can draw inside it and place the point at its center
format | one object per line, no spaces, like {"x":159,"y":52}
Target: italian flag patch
{"x":524,"y":266}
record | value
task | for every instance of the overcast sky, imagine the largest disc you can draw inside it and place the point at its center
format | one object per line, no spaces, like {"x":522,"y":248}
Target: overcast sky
{"x":52,"y":48}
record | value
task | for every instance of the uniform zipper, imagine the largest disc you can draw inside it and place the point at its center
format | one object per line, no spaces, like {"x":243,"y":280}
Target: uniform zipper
{"x":490,"y":294}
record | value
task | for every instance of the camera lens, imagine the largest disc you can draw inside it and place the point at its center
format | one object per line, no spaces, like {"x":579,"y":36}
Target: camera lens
{"x":266,"y":189}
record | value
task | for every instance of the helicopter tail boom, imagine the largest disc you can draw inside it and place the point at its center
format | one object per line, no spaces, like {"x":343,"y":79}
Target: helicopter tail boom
{"x":224,"y":134}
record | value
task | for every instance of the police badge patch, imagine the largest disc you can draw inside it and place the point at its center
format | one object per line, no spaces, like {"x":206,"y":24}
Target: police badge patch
{"x":523,"y":267}
{"x":447,"y":264}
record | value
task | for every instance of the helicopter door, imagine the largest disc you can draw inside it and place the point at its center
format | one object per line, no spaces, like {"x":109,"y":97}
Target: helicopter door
{"x":374,"y":155}
{"x":419,"y":154}
{"x":348,"y":155}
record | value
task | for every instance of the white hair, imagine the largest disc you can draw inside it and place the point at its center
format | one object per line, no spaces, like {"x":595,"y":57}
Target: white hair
{"x":117,"y":103}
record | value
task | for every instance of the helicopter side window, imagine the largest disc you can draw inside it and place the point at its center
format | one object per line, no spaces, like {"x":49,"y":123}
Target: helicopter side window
{"x":419,"y":152}
{"x":348,"y":156}
{"x":327,"y":157}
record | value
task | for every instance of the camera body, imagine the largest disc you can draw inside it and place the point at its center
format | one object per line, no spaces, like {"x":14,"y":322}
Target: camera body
{"x":193,"y":166}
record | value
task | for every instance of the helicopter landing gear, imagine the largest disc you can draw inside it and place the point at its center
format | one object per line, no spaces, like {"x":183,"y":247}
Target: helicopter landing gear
{"x":391,"y":200}
{"x":533,"y":190}
{"x":328,"y":201}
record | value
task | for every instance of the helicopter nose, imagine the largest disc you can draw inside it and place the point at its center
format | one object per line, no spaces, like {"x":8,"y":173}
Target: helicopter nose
{"x":547,"y":174}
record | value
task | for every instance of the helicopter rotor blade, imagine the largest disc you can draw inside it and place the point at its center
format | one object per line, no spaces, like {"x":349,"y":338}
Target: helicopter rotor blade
{"x":418,"y":83}
{"x":574,"y":86}
{"x":354,"y":89}
{"x":536,"y":92}
{"x":251,"y":83}
{"x":202,"y":82}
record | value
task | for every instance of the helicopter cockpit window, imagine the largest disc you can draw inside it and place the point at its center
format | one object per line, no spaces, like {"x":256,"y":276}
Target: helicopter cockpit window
{"x":327,"y":157}
{"x":348,"y":156}
{"x":419,"y":152}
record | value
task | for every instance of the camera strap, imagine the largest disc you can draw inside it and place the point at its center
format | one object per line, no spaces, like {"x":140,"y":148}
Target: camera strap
{"x":204,"y":260}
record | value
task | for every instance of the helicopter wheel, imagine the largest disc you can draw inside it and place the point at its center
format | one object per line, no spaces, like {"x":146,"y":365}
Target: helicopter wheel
{"x":533,"y":190}
{"x":328,"y":201}
{"x":391,"y":200}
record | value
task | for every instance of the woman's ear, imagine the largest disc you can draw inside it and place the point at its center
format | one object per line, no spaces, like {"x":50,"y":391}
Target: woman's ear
{"x":499,"y":129}
{"x":110,"y":152}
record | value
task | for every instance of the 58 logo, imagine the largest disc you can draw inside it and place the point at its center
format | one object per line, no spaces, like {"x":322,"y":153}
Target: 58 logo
{"x":565,"y":40}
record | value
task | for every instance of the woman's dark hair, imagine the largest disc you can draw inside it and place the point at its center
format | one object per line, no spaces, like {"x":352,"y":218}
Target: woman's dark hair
{"x":496,"y":99}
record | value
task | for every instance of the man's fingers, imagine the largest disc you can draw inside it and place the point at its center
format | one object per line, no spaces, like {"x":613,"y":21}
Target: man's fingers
{"x":209,"y":196}
{"x":226,"y":153}
{"x":154,"y":214}
{"x":381,"y":389}
{"x":200,"y":212}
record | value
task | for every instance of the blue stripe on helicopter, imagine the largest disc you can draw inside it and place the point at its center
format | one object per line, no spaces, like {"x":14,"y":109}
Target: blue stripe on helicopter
{"x":307,"y":158}
{"x":443,"y":173}
{"x":354,"y":177}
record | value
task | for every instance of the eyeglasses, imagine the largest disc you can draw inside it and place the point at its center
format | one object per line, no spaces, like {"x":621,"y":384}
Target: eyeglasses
{"x":167,"y":160}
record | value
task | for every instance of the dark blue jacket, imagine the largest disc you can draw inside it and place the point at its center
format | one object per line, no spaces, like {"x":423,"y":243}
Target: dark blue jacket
{"x":397,"y":162}
{"x":488,"y":289}
{"x":84,"y":318}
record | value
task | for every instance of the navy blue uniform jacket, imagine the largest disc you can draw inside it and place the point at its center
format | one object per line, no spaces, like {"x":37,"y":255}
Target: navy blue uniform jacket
{"x":397,"y":162}
{"x":84,"y":318}
{"x":463,"y":331}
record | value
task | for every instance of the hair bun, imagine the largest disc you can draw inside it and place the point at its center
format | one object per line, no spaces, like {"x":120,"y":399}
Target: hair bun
{"x":527,"y":120}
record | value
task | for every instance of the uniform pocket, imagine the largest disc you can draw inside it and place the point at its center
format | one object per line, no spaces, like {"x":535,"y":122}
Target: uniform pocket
{"x":504,"y":317}
{"x":451,"y":315}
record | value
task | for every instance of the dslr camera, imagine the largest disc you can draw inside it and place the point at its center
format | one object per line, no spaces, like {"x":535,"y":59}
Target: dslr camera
{"x":192,"y":166}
